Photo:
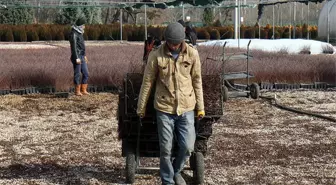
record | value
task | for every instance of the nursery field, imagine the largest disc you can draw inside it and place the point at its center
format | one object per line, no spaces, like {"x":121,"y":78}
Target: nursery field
{"x":110,"y":61}
{"x":46,"y":140}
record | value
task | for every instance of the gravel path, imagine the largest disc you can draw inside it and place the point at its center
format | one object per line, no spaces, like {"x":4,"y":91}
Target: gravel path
{"x":46,"y":140}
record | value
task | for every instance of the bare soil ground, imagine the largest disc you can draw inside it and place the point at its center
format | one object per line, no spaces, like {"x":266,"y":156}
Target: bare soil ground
{"x":48,"y":140}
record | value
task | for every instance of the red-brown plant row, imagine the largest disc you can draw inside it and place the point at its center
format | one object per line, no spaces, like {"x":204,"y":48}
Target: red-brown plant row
{"x":47,"y":32}
{"x":109,"y":64}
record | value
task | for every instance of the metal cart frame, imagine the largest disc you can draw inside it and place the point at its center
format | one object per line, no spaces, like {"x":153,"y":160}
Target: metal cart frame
{"x":140,"y":139}
{"x":252,"y":90}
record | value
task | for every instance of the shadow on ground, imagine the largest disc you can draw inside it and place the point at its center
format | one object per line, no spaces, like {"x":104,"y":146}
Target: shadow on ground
{"x":61,"y":174}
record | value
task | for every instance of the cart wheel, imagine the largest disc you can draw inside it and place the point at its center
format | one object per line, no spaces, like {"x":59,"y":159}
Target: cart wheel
{"x":198,"y":171}
{"x":130,"y":168}
{"x":225,"y":93}
{"x":254,"y":91}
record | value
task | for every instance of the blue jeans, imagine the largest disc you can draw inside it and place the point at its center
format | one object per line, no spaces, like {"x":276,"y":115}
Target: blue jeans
{"x":180,"y":128}
{"x":80,"y":69}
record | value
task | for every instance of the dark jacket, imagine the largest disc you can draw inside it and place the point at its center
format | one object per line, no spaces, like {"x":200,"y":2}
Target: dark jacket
{"x":191,"y":36}
{"x":77,"y":45}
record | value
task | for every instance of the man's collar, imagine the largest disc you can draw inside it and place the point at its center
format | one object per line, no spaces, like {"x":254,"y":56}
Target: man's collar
{"x":167,"y":52}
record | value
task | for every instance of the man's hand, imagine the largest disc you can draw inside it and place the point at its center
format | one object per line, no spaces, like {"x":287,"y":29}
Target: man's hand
{"x":78,"y":61}
{"x":200,"y":114}
{"x":86,"y":60}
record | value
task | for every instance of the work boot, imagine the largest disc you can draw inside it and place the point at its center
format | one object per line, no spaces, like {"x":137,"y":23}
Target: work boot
{"x":77,"y":90}
{"x":84,"y":89}
{"x":179,"y":180}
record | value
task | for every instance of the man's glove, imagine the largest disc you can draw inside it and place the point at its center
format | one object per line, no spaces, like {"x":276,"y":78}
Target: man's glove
{"x":78,"y":61}
{"x":86,"y":60}
{"x":200,"y":113}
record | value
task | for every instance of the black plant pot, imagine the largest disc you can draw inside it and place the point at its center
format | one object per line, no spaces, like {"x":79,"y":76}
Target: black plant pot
{"x":110,"y":88}
{"x":30,"y":90}
{"x":92,"y":88}
{"x":4,"y":92}
{"x":18,"y":91}
{"x":46,"y":90}
{"x":307,"y":86}
{"x":62,"y":94}
{"x":100,"y":89}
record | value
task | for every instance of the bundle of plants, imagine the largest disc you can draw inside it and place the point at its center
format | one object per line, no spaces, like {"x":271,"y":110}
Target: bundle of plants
{"x":212,"y":94}
{"x":201,"y":146}
{"x":204,"y":129}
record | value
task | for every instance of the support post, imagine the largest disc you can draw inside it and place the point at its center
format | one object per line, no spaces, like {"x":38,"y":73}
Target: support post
{"x":236,"y":21}
{"x":239,"y":25}
{"x":145,"y":21}
{"x":273,"y":25}
{"x":328,"y":21}
{"x":308,"y":21}
{"x":121,"y":23}
{"x":294,"y":20}
{"x":183,"y":12}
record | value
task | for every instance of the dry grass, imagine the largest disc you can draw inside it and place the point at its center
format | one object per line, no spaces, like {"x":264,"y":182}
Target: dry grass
{"x":45,"y":140}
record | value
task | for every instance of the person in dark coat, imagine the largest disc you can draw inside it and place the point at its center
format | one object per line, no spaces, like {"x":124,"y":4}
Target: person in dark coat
{"x":150,"y":43}
{"x":191,"y":36}
{"x":78,"y":57}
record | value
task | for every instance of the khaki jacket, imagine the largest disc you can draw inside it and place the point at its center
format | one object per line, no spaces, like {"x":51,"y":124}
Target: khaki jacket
{"x":178,"y":83}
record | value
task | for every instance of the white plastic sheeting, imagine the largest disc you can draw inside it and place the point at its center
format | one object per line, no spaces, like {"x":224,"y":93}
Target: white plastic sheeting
{"x":293,"y":46}
{"x":327,"y":21}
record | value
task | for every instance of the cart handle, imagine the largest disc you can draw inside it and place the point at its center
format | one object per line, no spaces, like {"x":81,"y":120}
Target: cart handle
{"x":225,"y":43}
{"x":248,"y":45}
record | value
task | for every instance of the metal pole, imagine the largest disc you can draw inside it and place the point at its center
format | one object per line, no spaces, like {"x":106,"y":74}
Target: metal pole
{"x":278,"y":16}
{"x":38,"y":12}
{"x":236,"y":21}
{"x":273,"y":25}
{"x":121,"y":24}
{"x":302,"y":18}
{"x":294,"y":20}
{"x":308,"y":21}
{"x":281,"y":16}
{"x":259,"y":28}
{"x":145,"y":21}
{"x":247,"y":65}
{"x":259,"y":25}
{"x":183,"y":12}
{"x":328,"y":22}
{"x":290,"y":22}
{"x":239,"y":24}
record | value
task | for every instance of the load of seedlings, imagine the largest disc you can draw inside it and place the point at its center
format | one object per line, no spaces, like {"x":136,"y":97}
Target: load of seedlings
{"x":128,"y":99}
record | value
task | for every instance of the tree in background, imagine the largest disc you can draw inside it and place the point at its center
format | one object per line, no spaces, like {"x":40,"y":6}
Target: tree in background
{"x":208,"y":16}
{"x":151,"y":15}
{"x":17,"y":15}
{"x":93,"y":14}
{"x":69,"y":15}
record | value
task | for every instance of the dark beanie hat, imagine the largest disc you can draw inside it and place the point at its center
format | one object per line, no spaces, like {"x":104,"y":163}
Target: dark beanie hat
{"x":80,"y":21}
{"x":174,"y":33}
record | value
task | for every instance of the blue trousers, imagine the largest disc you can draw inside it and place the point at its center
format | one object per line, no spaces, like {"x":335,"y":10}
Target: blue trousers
{"x":80,"y":70}
{"x":182,"y":129}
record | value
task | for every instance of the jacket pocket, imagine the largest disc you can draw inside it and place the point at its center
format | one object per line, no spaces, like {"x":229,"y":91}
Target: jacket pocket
{"x":185,"y":68}
{"x":188,"y":100}
{"x":163,"y":67}
{"x":163,"y":100}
